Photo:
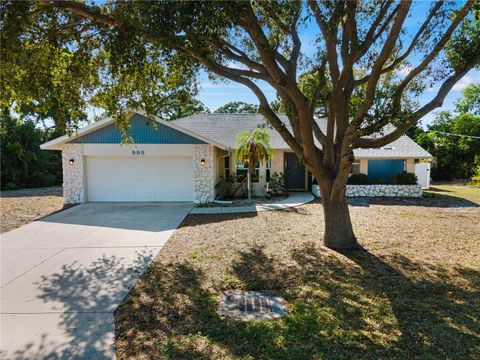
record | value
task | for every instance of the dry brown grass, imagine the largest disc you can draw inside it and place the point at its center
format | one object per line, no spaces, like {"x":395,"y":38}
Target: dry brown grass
{"x":414,"y":292}
{"x":20,"y":207}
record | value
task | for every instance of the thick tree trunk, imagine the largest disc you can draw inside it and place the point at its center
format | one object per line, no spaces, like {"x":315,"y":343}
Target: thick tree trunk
{"x":338,"y":226}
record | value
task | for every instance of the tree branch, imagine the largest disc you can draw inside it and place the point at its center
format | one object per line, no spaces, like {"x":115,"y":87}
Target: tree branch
{"x":236,"y":54}
{"x":378,"y":65}
{"x":330,"y":38}
{"x":436,"y":102}
{"x":320,"y":87}
{"x":89,"y":12}
{"x":371,"y":36}
{"x":409,"y":50}
{"x":429,"y":58}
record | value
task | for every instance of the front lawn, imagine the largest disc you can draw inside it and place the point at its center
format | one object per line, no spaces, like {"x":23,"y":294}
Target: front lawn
{"x":413,"y":293}
{"x":20,"y":207}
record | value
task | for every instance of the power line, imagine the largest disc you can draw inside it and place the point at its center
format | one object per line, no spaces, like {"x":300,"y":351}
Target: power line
{"x":460,"y":135}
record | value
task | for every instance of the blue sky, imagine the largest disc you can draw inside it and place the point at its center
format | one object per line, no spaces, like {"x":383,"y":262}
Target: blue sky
{"x":216,"y":94}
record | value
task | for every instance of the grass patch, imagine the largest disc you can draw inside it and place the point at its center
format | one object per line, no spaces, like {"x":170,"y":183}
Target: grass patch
{"x":414,"y":292}
{"x":20,"y":207}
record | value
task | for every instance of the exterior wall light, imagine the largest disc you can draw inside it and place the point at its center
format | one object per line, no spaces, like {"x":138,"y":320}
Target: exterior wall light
{"x":71,"y":162}
{"x":202,"y":163}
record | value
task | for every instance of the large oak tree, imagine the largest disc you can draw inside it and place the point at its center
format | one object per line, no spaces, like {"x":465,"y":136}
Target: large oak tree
{"x":365,"y":68}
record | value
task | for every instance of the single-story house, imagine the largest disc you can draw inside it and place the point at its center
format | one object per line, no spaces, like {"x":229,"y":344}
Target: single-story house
{"x":183,"y":160}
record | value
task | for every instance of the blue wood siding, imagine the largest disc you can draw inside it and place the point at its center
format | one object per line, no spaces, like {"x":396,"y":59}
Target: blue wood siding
{"x":383,"y":169}
{"x":141,"y":132}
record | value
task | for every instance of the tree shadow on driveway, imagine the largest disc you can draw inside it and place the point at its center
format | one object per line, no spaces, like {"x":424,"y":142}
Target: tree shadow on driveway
{"x":72,"y":309}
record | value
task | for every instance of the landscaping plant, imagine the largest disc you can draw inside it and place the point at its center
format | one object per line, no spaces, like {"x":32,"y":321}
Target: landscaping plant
{"x":252,"y":148}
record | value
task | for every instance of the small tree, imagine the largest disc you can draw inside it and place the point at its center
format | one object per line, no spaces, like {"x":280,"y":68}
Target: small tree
{"x":253,"y":147}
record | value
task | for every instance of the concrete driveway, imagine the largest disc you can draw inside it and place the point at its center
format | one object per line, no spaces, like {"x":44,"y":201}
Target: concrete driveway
{"x":63,"y":276}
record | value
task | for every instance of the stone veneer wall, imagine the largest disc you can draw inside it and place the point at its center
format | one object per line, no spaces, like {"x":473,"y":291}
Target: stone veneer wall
{"x":73,"y":185}
{"x":378,"y":190}
{"x":204,"y":176}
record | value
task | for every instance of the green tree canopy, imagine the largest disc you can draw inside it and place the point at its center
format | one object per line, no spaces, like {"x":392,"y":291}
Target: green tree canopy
{"x":453,"y":138}
{"x":448,"y":140}
{"x":237,"y":107}
{"x":470,"y":102}
{"x":184,"y":106}
{"x":55,"y":66}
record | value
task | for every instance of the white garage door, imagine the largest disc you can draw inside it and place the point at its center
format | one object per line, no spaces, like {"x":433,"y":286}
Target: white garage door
{"x":140,"y":179}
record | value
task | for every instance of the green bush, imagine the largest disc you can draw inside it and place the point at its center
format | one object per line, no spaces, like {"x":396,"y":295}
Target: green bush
{"x":230,"y":187}
{"x":399,"y":179}
{"x":405,"y":178}
{"x":358,"y":179}
{"x":475,"y":181}
{"x":277,"y":184}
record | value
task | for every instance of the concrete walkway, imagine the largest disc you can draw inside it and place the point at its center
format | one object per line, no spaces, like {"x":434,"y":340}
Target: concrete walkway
{"x":295,"y":199}
{"x":62,"y":277}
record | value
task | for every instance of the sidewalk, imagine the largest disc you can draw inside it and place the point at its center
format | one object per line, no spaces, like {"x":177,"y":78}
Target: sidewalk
{"x":295,"y":199}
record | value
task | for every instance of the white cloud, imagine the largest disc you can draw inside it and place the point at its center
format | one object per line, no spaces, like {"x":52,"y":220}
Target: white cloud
{"x":207,"y":85}
{"x":463,"y":83}
{"x":405,"y":70}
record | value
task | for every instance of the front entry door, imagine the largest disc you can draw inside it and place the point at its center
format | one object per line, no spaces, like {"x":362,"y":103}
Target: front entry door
{"x":294,"y":172}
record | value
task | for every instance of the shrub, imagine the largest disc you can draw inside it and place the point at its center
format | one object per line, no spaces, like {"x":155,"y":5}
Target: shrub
{"x":277,"y":184}
{"x":358,"y":179}
{"x":405,"y":178}
{"x":475,"y":180}
{"x":224,"y":188}
{"x":229,"y":187}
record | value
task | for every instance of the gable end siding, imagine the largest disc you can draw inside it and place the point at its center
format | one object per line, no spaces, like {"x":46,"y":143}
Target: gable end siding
{"x":141,"y":132}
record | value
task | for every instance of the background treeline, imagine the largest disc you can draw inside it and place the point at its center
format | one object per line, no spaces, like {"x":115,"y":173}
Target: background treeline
{"x":455,"y":157}
{"x":23,"y":164}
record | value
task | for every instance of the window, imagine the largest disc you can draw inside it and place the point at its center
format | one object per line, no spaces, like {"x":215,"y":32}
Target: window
{"x":226,"y":166}
{"x":242,"y":169}
{"x":268,"y":165}
{"x":355,"y":167}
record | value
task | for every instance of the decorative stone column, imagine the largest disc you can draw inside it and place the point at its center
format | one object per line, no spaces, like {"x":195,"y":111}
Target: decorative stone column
{"x":203,"y":174}
{"x":73,"y":174}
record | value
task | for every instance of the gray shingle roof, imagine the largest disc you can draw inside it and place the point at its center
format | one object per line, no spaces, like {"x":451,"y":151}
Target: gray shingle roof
{"x":223,"y":129}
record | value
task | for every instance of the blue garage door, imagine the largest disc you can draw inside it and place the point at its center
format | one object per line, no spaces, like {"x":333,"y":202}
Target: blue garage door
{"x":383,"y":169}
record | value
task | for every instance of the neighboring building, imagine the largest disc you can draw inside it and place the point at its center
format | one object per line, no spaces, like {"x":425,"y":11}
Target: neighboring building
{"x":182,"y":160}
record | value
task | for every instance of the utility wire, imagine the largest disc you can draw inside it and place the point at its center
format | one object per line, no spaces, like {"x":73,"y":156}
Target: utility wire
{"x":461,"y":135}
